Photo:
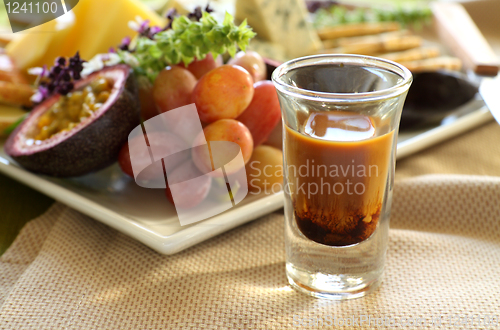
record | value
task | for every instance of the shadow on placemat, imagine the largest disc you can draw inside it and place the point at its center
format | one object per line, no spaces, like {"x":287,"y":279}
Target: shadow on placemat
{"x":18,"y":205}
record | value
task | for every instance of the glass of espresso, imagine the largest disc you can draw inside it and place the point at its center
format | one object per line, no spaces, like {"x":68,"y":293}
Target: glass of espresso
{"x":341,"y":116}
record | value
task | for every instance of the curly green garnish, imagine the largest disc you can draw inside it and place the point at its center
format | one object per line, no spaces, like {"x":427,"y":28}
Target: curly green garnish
{"x":13,"y":126}
{"x":188,"y":40}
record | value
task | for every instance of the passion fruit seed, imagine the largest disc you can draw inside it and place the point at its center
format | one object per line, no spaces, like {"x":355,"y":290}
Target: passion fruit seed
{"x":72,"y":109}
{"x":90,"y":98}
{"x":103,"y":97}
{"x":100,"y":85}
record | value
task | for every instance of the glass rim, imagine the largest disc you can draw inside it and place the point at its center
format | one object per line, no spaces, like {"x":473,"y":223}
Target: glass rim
{"x":372,"y":61}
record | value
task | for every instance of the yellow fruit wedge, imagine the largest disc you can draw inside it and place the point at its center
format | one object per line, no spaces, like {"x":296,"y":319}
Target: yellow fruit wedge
{"x":29,"y":49}
{"x":104,"y":23}
{"x":60,"y":39}
{"x":91,"y":28}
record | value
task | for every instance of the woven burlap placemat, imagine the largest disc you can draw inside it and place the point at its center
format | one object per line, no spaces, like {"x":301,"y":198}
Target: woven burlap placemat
{"x":67,"y":271}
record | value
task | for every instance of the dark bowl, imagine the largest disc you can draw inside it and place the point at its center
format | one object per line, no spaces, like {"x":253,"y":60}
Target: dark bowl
{"x":432,"y":95}
{"x":435,"y":95}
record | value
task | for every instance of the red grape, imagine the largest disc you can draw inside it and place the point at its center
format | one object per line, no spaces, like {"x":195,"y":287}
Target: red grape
{"x":200,"y":67}
{"x":223,"y":93}
{"x":253,"y":63}
{"x":148,"y":105}
{"x":184,"y":122}
{"x":187,"y":186}
{"x":263,"y":113}
{"x":124,"y":161}
{"x":275,"y":139}
{"x":223,"y":130}
{"x":265,"y":169}
{"x":161,"y":142}
{"x":173,"y":88}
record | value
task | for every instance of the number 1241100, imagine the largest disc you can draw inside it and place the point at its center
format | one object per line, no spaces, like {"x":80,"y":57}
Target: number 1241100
{"x":31,"y":8}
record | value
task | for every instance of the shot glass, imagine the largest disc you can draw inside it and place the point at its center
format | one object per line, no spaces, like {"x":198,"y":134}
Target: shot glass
{"x":341,"y":116}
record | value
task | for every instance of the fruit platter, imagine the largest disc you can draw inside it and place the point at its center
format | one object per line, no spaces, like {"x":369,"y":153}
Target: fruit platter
{"x":78,"y":144}
{"x":123,"y":127}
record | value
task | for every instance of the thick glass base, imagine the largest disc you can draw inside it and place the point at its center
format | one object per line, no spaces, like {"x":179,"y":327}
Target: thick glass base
{"x":334,"y":287}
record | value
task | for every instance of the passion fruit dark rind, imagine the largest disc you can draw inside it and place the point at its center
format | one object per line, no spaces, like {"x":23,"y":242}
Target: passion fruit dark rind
{"x":90,"y":146}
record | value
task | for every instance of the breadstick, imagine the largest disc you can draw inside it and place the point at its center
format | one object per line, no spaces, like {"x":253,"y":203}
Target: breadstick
{"x":377,"y":37}
{"x":8,"y":70}
{"x":356,"y":29}
{"x":15,"y":94}
{"x":414,"y":54}
{"x":366,"y":48}
{"x":434,"y":64}
{"x":370,"y":39}
{"x":396,"y":44}
{"x":373,"y":47}
{"x":4,"y":40}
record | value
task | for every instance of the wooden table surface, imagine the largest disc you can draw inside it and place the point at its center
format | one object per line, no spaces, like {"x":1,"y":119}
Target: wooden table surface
{"x":18,"y":205}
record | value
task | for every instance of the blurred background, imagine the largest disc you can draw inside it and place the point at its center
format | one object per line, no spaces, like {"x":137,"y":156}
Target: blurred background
{"x":159,"y":5}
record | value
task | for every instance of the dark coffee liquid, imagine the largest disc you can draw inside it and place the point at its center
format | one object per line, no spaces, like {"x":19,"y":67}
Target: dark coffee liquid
{"x":337,"y":175}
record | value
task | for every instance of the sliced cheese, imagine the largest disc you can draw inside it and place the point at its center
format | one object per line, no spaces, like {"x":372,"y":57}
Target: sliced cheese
{"x":269,"y":50}
{"x":284,"y":22}
{"x":92,"y":27}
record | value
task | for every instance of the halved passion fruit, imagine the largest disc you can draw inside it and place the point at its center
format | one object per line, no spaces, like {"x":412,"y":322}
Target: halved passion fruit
{"x":82,"y":132}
